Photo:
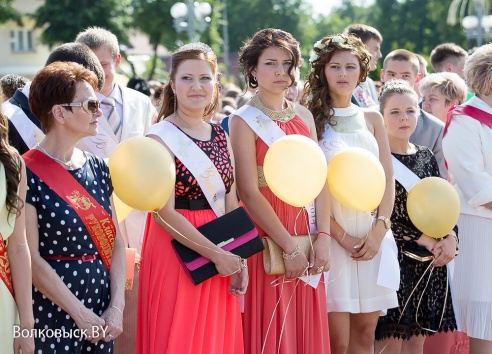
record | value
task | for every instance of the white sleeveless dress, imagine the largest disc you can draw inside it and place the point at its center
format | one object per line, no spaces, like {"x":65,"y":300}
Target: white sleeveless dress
{"x":353,"y":286}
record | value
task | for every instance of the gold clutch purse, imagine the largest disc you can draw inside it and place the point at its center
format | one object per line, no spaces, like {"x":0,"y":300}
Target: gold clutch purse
{"x":273,"y":259}
{"x":419,"y":254}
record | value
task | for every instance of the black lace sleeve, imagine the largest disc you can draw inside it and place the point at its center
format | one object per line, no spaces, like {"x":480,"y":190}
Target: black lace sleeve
{"x":423,"y":164}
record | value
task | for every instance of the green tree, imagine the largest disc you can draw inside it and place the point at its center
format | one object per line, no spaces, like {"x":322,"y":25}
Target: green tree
{"x":246,"y":17}
{"x":416,"y":25}
{"x":153,"y":17}
{"x":7,"y":11}
{"x":61,"y":20}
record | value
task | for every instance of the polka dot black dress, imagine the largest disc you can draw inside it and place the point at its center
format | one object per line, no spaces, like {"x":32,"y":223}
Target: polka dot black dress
{"x":62,"y":233}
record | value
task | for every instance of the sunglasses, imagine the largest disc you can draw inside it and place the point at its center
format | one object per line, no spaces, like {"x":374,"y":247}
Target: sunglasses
{"x":90,"y":106}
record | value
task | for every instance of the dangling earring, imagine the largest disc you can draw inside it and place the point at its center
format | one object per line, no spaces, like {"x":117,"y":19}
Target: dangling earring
{"x":254,"y":78}
{"x":175,"y":104}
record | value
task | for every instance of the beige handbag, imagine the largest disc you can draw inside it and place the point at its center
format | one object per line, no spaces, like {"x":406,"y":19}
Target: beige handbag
{"x":273,"y":259}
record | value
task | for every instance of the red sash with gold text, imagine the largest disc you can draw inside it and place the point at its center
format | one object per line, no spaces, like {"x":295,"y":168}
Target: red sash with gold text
{"x":95,"y":218}
{"x":5,"y":267}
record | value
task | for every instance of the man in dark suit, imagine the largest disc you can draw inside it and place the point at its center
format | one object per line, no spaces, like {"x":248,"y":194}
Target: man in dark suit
{"x":403,"y":64}
{"x":24,"y":127}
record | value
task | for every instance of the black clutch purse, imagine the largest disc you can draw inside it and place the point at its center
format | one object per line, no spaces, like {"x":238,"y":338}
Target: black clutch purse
{"x":419,"y":254}
{"x":233,"y":232}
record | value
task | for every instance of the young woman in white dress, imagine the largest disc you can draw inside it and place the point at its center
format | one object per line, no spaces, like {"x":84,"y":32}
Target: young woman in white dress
{"x":355,"y":293}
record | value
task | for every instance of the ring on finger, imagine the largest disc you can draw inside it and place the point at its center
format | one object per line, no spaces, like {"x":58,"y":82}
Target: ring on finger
{"x":110,"y":336}
{"x":320,"y":269}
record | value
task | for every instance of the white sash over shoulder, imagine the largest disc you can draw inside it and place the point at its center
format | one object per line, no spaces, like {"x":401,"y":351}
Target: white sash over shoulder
{"x":403,"y":174}
{"x":28,"y":131}
{"x":269,"y":132}
{"x":331,"y":143}
{"x":103,"y":143}
{"x":196,"y":161}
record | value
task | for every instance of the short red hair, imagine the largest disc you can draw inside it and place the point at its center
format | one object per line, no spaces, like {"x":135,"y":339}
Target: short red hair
{"x":55,"y":84}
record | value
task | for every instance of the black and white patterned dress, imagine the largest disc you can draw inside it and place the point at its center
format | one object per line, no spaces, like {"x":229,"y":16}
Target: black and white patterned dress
{"x":62,"y":233}
{"x":432,"y":305}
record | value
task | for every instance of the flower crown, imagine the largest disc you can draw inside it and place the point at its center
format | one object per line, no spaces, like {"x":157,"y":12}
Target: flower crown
{"x":320,"y":48}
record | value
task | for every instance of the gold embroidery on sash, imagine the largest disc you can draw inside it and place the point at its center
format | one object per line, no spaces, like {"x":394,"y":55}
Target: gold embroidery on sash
{"x":5,"y":267}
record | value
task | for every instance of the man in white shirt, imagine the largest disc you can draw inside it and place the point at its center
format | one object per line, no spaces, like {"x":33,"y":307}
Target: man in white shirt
{"x":365,"y":94}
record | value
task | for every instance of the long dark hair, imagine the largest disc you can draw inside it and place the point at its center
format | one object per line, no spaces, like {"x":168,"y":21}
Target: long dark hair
{"x":11,"y":161}
{"x":189,"y":51}
{"x":316,"y":90}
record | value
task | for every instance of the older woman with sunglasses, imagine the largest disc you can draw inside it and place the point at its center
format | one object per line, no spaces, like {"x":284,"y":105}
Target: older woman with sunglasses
{"x":78,"y":255}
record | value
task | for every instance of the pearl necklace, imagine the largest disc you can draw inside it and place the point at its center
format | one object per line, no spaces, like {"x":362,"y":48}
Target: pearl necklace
{"x":70,"y":164}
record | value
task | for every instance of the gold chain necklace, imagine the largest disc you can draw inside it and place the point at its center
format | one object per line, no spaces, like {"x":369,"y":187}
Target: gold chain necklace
{"x":283,"y":116}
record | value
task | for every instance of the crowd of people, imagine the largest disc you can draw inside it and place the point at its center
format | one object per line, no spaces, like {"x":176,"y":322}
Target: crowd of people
{"x":75,"y":279}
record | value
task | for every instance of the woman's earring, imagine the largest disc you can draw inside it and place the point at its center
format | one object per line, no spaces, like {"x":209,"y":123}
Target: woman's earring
{"x":254,"y":78}
{"x":175,"y":105}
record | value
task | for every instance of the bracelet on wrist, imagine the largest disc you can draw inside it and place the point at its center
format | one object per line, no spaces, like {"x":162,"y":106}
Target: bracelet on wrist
{"x":342,"y":238}
{"x":243,"y":263}
{"x":323,"y":233}
{"x":455,"y":237}
{"x":113,"y":306}
{"x":292,"y":255}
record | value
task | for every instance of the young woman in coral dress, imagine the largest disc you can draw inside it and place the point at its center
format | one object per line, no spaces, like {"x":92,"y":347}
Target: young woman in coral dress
{"x":174,"y":315}
{"x":281,"y":315}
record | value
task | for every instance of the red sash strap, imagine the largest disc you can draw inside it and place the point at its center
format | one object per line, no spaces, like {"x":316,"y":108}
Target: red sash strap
{"x":5,"y":267}
{"x":95,"y":218}
{"x":467,"y":110}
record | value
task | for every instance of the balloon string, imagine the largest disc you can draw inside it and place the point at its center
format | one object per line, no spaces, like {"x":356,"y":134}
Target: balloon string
{"x":284,"y":280}
{"x":301,"y":211}
{"x":241,"y":260}
{"x":275,"y":283}
{"x":443,"y":306}
{"x":408,"y":300}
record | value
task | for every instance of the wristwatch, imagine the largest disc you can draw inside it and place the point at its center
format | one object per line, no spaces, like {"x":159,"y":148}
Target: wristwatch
{"x":387,"y":222}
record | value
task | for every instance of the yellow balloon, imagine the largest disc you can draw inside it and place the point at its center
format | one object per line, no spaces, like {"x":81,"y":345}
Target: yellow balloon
{"x":121,"y":209}
{"x":433,"y":206}
{"x":143,"y":173}
{"x":356,"y":179}
{"x":295,"y":169}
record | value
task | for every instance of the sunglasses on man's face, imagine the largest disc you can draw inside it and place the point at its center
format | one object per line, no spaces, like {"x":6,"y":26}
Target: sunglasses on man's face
{"x":90,"y":106}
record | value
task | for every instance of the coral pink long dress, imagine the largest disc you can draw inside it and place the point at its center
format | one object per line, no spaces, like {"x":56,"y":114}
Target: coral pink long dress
{"x":447,"y":343}
{"x":299,"y":323}
{"x":175,"y":316}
